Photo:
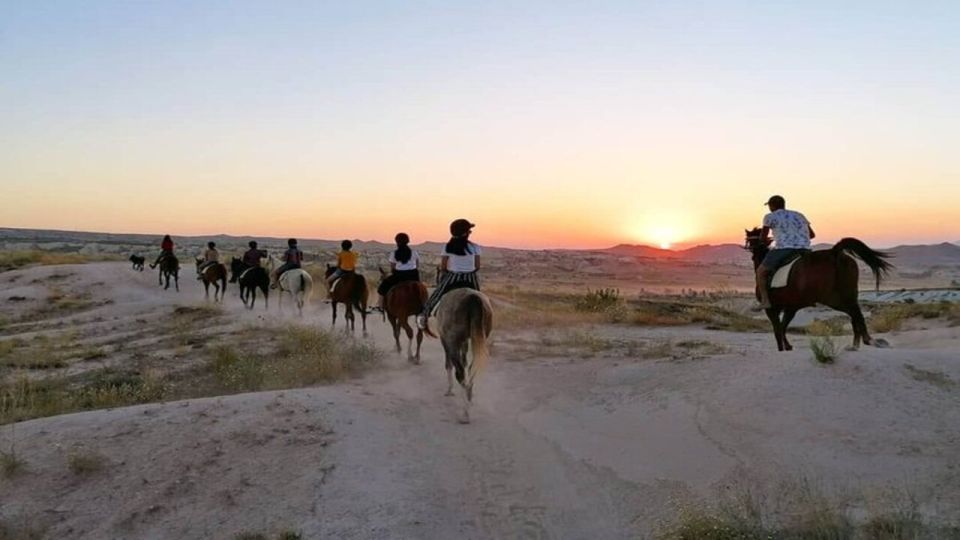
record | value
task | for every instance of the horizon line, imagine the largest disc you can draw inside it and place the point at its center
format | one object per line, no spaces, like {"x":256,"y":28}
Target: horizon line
{"x":491,"y":246}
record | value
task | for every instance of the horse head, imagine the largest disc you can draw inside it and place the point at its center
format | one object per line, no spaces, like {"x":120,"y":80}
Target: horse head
{"x":236,"y":268}
{"x":330,"y":270}
{"x":383,"y":273}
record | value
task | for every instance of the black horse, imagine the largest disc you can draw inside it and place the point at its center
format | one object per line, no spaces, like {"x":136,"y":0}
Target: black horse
{"x":250,"y":279}
{"x":137,"y":261}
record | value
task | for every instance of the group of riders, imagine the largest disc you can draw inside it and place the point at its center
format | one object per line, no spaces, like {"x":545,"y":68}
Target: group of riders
{"x":459,"y":264}
{"x":460,"y":258}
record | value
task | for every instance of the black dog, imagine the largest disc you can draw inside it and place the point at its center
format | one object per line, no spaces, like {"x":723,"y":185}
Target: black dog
{"x":137,"y":262}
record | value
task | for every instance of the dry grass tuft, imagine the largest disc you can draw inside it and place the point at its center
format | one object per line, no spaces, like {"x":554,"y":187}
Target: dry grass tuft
{"x":891,"y":317}
{"x":10,"y":464}
{"x":10,"y":260}
{"x":834,"y":326}
{"x":798,"y":511}
{"x":82,"y":461}
{"x":304,"y":356}
{"x":824,"y":349}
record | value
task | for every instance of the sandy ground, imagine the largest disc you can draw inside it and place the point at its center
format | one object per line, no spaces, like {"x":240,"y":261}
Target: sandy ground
{"x":568,"y":443}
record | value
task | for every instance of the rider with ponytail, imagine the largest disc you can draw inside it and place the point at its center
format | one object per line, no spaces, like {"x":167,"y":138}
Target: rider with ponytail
{"x":459,"y":263}
{"x":404,"y":266}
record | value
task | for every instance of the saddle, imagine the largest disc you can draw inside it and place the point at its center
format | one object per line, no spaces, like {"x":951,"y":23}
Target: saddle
{"x":781,"y":276}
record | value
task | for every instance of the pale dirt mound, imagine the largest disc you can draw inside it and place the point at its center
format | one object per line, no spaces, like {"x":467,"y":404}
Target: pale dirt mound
{"x":592,"y":434}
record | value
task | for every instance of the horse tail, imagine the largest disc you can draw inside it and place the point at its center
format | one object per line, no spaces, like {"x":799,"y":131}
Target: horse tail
{"x":479,"y":320}
{"x":873,"y":259}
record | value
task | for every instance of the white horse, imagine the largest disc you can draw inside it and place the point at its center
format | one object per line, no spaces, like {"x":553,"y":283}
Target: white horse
{"x":464,"y":321}
{"x":297,"y":283}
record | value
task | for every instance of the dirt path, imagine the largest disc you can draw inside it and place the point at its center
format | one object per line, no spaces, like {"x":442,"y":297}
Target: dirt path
{"x":560,"y":446}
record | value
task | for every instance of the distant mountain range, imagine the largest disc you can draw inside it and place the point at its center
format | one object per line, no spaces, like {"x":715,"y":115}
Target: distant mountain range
{"x":943,"y":254}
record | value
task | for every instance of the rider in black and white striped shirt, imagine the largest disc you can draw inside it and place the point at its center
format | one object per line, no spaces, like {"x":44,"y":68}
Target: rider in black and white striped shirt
{"x":459,"y":263}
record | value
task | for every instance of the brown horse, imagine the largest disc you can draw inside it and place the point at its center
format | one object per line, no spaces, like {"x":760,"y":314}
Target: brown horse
{"x":351,"y":291}
{"x":404,"y":300}
{"x":169,"y":266}
{"x":216,"y":274}
{"x":829,"y":277}
{"x":464,"y":322}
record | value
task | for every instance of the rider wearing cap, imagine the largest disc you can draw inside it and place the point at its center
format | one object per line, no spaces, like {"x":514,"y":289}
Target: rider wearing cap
{"x":459,"y":263}
{"x":791,"y":233}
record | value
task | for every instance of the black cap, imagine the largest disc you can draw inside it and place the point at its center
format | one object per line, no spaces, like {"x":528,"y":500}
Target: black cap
{"x":461,"y":227}
{"x":776,"y":200}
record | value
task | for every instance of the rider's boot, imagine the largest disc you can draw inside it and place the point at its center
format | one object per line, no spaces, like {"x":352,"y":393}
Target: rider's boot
{"x":763,"y":288}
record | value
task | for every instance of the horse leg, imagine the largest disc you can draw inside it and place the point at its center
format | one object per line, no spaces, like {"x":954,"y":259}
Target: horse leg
{"x":349,"y":317}
{"x":176,"y":280}
{"x":362,"y":307}
{"x":206,"y":291}
{"x":774,"y":316}
{"x":252,"y":295}
{"x":395,"y":325}
{"x":419,"y":342}
{"x":859,"y":324}
{"x":449,"y":366}
{"x":409,"y":331}
{"x":333,"y":307}
{"x":466,"y":385}
{"x":788,"y":315}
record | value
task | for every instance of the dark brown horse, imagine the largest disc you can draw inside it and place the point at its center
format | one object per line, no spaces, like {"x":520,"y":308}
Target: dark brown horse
{"x":250,"y":278}
{"x":351,"y":291}
{"x":169,"y":266}
{"x":404,"y":300}
{"x":215,"y":274}
{"x":829,"y":277}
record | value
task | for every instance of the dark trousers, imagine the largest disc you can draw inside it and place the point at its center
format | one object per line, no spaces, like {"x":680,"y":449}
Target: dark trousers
{"x":397,"y":278}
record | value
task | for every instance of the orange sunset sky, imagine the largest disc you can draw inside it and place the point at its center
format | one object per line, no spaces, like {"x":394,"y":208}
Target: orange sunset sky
{"x":548,"y":126}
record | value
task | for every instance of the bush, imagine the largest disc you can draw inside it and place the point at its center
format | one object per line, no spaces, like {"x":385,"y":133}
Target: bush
{"x":824,"y":349}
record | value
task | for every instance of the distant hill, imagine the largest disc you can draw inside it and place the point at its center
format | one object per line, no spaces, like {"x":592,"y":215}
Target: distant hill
{"x":703,"y":253}
{"x":927,"y":255}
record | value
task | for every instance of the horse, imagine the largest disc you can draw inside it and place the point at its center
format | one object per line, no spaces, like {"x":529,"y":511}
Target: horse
{"x":464,"y":322}
{"x":298,"y":283}
{"x":403,"y":300}
{"x":250,"y":279}
{"x":351,"y":291}
{"x":137,"y":261}
{"x":169,"y":266}
{"x":216,"y":274}
{"x":829,"y":277}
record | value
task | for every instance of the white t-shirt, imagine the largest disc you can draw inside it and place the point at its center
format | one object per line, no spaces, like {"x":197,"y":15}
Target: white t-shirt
{"x":412,"y":264}
{"x":791,"y":230}
{"x":462,"y":263}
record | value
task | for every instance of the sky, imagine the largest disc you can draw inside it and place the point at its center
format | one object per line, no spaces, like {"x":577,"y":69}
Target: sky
{"x":548,"y":124}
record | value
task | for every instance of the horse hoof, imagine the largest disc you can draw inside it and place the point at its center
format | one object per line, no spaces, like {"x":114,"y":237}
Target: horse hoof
{"x":464,"y":418}
{"x":448,"y":394}
{"x":788,"y":348}
{"x":881,"y":343}
{"x":851,"y":348}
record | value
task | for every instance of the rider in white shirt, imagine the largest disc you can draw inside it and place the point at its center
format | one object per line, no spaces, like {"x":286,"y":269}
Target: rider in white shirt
{"x":791,"y":235}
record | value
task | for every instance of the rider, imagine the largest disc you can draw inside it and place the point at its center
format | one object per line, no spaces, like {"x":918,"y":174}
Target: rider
{"x":166,"y":249}
{"x":346,"y":262}
{"x":792,"y":234}
{"x":404,"y":263}
{"x":292,"y":258}
{"x":210,"y":257}
{"x":251,"y":257}
{"x":459,"y":263}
